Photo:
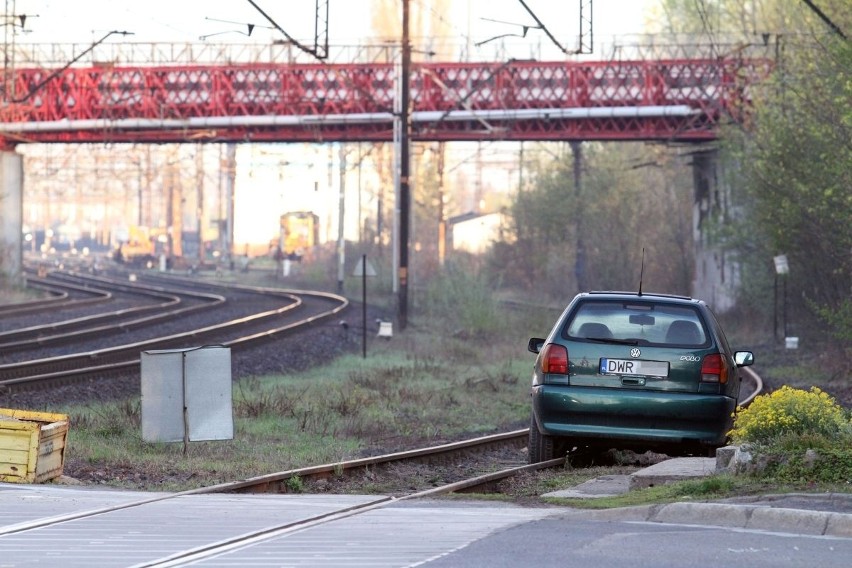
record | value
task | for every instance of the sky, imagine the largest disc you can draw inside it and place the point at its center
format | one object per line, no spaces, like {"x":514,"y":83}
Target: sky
{"x":84,"y":21}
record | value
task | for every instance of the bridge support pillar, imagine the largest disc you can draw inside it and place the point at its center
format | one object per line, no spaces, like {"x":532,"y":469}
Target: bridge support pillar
{"x":11,"y":217}
{"x":717,"y":274}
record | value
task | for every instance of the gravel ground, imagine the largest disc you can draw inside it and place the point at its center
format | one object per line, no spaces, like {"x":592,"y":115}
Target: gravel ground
{"x":292,"y":353}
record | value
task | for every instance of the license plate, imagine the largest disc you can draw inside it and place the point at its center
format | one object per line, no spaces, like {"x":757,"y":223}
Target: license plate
{"x":634,"y":367}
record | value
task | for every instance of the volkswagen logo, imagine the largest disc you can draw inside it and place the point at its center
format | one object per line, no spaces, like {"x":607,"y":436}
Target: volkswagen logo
{"x":635,"y":352}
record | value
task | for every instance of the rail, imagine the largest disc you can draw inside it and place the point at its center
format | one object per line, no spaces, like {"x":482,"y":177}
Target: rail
{"x":237,"y":333}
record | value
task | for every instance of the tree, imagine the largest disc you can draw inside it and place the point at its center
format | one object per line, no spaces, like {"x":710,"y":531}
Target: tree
{"x":630,"y":198}
{"x":797,"y":166}
{"x":791,"y":166}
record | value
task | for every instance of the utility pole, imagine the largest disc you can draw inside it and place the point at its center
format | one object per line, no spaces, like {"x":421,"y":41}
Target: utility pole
{"x":580,"y":258}
{"x":9,"y":54}
{"x":145,"y":217}
{"x":404,"y":171}
{"x":230,"y":185}
{"x":442,"y":222}
{"x":199,"y":200}
{"x":341,"y":238}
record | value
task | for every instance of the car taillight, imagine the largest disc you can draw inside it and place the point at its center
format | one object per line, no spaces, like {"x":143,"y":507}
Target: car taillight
{"x":714,"y":369}
{"x":554,"y":359}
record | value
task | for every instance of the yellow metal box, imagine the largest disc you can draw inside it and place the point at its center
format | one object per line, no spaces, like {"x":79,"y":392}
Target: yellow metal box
{"x":32,"y":445}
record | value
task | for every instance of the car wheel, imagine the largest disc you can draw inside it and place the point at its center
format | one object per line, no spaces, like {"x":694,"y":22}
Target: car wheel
{"x":541,"y":446}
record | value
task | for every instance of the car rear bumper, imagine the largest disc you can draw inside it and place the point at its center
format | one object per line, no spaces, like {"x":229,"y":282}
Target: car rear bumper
{"x":652,"y":417}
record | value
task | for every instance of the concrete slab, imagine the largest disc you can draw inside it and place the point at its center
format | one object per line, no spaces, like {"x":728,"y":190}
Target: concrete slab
{"x":675,"y":469}
{"x":604,"y":486}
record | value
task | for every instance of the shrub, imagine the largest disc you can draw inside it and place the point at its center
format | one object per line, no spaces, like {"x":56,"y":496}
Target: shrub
{"x":826,"y":465}
{"x":789,"y":411}
{"x":464,"y":300}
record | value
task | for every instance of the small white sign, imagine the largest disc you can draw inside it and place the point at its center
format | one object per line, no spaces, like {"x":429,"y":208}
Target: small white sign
{"x":363,"y":266}
{"x":385,"y":329}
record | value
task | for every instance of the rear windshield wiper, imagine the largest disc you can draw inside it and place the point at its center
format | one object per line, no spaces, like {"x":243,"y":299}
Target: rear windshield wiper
{"x":612,"y":340}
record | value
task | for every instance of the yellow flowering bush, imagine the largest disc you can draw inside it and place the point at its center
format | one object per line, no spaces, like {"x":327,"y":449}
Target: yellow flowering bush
{"x":789,"y":411}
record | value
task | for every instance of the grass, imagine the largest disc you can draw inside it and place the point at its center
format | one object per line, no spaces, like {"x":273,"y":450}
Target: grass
{"x":710,"y":488}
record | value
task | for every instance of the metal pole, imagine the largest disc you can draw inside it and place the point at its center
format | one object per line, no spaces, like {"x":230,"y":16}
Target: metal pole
{"x":199,"y":200}
{"x":364,"y":304}
{"x":785,"y":306}
{"x":521,"y":168}
{"x":580,"y":257}
{"x":775,"y":309}
{"x":139,"y":193}
{"x":360,"y":224}
{"x":341,"y":239}
{"x":404,"y":172}
{"x":442,"y":222}
{"x":230,"y":187}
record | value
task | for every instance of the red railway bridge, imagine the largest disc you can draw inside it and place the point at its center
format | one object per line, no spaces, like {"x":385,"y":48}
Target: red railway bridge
{"x":677,"y":100}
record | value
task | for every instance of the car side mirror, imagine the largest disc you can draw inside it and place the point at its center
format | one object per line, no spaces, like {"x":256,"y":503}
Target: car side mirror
{"x":744,"y":358}
{"x":535,"y":344}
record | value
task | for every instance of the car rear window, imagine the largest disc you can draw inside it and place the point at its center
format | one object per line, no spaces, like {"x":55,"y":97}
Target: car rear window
{"x":648,"y":322}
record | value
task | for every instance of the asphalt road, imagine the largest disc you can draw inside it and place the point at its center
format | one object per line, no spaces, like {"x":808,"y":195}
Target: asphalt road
{"x":582,"y":542}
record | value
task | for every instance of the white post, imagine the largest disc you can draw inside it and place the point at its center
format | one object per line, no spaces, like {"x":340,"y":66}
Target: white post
{"x":11,"y":217}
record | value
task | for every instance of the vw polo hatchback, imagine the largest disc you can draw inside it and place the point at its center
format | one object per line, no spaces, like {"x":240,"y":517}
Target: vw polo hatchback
{"x":627,"y":370}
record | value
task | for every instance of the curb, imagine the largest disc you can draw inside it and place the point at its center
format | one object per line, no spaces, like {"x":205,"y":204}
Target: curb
{"x":754,"y":517}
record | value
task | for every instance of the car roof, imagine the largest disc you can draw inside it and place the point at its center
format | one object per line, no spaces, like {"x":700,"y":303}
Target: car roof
{"x":620,"y":295}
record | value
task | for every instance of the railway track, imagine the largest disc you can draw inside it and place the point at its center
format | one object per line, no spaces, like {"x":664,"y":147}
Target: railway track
{"x":271,"y":313}
{"x":60,"y":296}
{"x":279,"y":482}
{"x":276,"y":482}
{"x":164,"y":304}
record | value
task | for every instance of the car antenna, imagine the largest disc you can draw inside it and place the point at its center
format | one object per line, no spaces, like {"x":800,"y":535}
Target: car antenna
{"x":642,"y":271}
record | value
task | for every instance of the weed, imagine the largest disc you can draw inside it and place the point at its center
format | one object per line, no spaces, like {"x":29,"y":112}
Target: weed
{"x":253,"y":401}
{"x":295,"y":484}
{"x":348,"y":402}
{"x":109,"y":420}
{"x":708,"y":487}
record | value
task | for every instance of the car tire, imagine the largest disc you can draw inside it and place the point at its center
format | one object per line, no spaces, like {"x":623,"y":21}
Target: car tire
{"x":541,"y":447}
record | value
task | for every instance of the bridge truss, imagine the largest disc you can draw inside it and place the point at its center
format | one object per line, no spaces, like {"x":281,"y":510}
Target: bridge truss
{"x":668,"y":99}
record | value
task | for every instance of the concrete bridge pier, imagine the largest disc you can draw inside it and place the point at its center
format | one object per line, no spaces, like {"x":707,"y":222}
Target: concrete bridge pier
{"x":717,"y":274}
{"x":11,"y":218}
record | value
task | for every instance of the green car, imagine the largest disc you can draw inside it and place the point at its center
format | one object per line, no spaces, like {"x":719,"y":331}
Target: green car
{"x":633,"y":370}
